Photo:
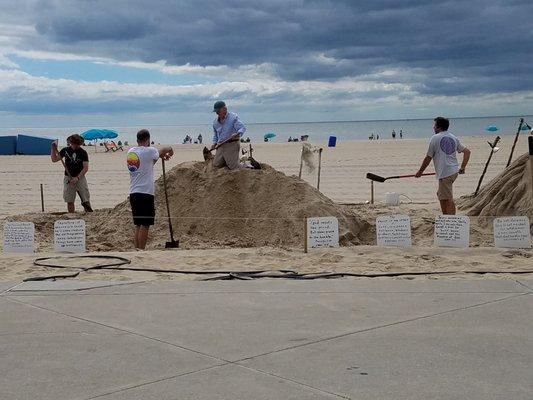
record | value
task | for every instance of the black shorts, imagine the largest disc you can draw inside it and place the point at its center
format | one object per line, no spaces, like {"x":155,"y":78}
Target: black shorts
{"x":142,"y":208}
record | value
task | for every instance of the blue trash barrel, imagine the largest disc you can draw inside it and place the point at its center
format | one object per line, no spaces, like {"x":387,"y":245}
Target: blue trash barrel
{"x":332,"y":141}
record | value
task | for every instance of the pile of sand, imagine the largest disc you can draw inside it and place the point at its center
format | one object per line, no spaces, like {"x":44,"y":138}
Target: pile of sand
{"x":507,"y":194}
{"x":218,"y":208}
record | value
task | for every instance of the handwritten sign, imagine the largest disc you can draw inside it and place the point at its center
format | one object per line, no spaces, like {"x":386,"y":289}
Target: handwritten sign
{"x":393,"y":230}
{"x":512,"y":232}
{"x":322,"y":232}
{"x":19,"y":237}
{"x":452,"y":231}
{"x":69,"y":235}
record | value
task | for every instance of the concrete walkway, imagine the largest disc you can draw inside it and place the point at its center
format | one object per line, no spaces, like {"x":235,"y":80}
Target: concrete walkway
{"x":268,"y":339}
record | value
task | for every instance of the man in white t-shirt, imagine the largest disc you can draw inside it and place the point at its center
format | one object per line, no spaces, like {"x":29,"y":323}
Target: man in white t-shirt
{"x":443,"y":149}
{"x":140,"y":161}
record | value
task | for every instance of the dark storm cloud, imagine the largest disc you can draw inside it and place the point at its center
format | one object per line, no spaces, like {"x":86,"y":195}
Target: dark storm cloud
{"x":455,"y":47}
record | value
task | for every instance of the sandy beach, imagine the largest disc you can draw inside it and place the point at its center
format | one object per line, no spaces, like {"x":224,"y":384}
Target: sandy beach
{"x":342,"y":180}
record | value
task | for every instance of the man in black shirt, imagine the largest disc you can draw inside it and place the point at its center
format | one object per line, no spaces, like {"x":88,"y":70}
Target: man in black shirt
{"x":76,"y":163}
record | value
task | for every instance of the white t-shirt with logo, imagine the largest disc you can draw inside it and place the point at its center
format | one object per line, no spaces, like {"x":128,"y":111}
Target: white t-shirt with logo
{"x":140,"y":161}
{"x":443,"y":149}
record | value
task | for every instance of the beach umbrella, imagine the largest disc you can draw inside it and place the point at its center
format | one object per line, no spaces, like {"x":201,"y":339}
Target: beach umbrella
{"x":269,"y":135}
{"x":492,"y":128}
{"x":525,"y":127}
{"x":95,"y":134}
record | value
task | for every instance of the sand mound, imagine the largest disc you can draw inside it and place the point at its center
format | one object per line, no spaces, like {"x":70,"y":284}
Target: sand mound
{"x":218,"y":208}
{"x":507,"y":194}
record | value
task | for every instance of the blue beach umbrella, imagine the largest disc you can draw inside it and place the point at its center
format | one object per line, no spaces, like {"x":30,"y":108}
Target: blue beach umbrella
{"x":492,"y":128}
{"x":525,"y":127}
{"x":95,"y":134}
{"x":269,"y":135}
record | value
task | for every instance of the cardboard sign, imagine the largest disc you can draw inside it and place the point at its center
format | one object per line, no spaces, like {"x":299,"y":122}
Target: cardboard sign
{"x":19,"y":237}
{"x":69,"y":235}
{"x":393,"y":230}
{"x":322,"y":232}
{"x":452,"y":231}
{"x":512,"y":232}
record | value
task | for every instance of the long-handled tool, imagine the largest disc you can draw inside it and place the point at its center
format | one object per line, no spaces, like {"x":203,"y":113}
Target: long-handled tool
{"x":377,"y":178}
{"x":173,"y":244}
{"x":208,"y":152}
{"x":493,"y":149}
{"x":522,"y":122}
{"x":85,"y":204}
{"x":530,"y":146}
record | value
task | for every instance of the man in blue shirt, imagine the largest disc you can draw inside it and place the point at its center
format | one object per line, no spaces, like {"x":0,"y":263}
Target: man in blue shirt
{"x":227,"y":129}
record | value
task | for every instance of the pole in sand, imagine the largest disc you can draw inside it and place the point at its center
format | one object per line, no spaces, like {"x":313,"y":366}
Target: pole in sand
{"x":530,"y":144}
{"x":371,"y":192}
{"x":42,"y":198}
{"x":301,"y":163}
{"x":305,"y":234}
{"x":319,"y":167}
{"x":493,"y":149}
{"x":515,"y":140}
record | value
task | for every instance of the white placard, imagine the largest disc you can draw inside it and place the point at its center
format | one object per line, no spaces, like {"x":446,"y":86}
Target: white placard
{"x":69,"y":235}
{"x":512,"y":232}
{"x":393,"y":230}
{"x":322,"y":232}
{"x":452,"y":231}
{"x":19,"y":237}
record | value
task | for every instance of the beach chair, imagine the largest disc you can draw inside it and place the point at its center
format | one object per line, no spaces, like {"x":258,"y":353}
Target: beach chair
{"x":112,"y":146}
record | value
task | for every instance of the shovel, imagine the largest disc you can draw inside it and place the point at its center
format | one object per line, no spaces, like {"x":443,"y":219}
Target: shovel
{"x":207,"y":152}
{"x":377,"y":178}
{"x":173,"y":244}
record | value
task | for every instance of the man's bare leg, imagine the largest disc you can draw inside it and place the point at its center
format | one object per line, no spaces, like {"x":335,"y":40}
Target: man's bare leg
{"x":447,"y":207}
{"x":136,"y":237}
{"x":142,"y":237}
{"x":71,"y":208}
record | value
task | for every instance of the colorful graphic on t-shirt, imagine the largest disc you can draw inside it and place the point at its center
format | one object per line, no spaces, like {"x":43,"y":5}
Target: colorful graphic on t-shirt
{"x":447,"y":145}
{"x":133,"y":162}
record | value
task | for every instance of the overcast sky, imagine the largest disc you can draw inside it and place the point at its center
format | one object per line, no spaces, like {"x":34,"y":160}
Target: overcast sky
{"x":157,"y":62}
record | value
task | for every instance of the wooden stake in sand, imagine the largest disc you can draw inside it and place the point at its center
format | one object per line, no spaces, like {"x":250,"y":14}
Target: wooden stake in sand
{"x":530,"y":144}
{"x":305,"y":234}
{"x":42,"y":198}
{"x":371,"y":192}
{"x":301,"y":163}
{"x":493,"y":149}
{"x":319,"y":167}
{"x":515,"y":140}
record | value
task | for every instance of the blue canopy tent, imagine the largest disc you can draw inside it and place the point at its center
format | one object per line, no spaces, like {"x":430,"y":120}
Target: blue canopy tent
{"x":34,"y":145}
{"x":8,"y":145}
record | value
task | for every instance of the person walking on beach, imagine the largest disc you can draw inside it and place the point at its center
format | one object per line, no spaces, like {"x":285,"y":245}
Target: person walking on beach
{"x":140,"y":161}
{"x":393,"y":134}
{"x":401,"y":134}
{"x":76,"y":163}
{"x":443,"y":149}
{"x":200,"y":138}
{"x":227,"y":129}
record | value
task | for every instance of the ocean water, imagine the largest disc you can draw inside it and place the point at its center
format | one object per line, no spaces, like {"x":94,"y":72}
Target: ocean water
{"x":317,"y":131}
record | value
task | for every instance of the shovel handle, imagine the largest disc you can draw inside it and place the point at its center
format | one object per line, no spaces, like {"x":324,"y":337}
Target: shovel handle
{"x":410,"y":176}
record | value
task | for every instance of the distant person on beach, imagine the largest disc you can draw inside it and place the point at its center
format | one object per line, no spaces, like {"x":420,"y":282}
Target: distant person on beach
{"x":140,"y":160}
{"x":401,"y":134}
{"x":200,"y":138}
{"x":227,"y":129}
{"x":393,"y":134}
{"x":443,"y":149}
{"x":76,"y":167}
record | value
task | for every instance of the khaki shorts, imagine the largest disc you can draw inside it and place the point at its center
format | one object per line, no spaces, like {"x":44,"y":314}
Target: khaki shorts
{"x":228,"y":155}
{"x":445,"y":191}
{"x":69,"y":192}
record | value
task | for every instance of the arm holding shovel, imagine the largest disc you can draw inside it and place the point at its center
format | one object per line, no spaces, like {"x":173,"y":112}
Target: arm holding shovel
{"x":425,"y":163}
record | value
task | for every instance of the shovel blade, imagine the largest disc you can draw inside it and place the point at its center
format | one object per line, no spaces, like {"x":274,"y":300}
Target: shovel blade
{"x":172,"y":245}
